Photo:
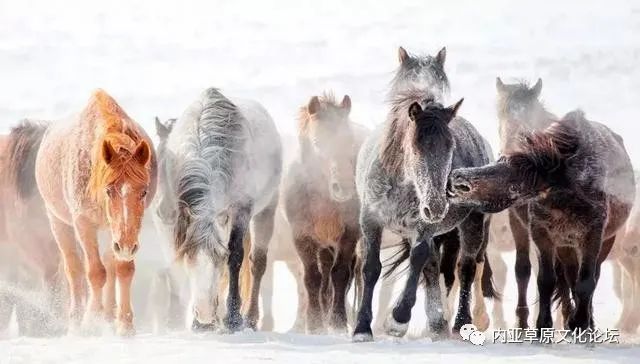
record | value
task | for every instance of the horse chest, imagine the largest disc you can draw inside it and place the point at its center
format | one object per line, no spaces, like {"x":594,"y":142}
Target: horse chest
{"x":327,"y":222}
{"x":397,"y":207}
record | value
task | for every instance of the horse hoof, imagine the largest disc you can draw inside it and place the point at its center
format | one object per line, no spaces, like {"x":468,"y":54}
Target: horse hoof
{"x":362,"y":337}
{"x":233,"y":324}
{"x":395,"y":328}
{"x":482,"y":321}
{"x":267,"y":323}
{"x":125,"y":329}
{"x":197,"y":326}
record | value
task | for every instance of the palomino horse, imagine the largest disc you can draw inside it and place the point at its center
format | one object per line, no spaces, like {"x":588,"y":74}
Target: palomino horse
{"x":25,"y":230}
{"x":401,"y":178}
{"x":103,"y":179}
{"x":223,"y":168}
{"x":322,"y":207}
{"x":578,"y":180}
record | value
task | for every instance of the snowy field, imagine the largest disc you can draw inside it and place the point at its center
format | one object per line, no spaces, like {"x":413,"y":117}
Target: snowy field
{"x":155,"y":57}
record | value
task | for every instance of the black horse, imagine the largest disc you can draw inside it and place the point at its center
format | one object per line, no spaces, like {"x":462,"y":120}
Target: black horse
{"x":578,"y":182}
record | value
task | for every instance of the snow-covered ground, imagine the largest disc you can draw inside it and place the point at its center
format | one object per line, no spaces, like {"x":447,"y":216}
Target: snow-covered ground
{"x":155,"y":57}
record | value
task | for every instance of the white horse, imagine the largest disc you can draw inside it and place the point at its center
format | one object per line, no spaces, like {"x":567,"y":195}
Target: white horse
{"x":219,"y":179}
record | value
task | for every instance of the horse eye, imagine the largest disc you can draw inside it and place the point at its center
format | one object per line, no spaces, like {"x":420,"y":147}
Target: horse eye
{"x":143,"y":194}
{"x":513,"y":189}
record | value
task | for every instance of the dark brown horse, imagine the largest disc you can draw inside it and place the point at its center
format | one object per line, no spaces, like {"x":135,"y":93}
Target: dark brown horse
{"x":520,"y":110}
{"x":322,"y":206}
{"x":578,"y":182}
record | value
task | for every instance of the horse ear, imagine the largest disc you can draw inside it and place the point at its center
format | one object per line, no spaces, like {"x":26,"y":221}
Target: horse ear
{"x":108,"y":153}
{"x":414,"y":111}
{"x":402,"y":55}
{"x":537,"y":88}
{"x":346,"y":104}
{"x":142,"y":153}
{"x":454,"y":108}
{"x":499,"y":85}
{"x":442,"y":56}
{"x":161,"y":129}
{"x":314,"y":105}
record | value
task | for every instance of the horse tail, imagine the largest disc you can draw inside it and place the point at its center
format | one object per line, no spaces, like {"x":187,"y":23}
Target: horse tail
{"x":24,"y":142}
{"x":245,"y":273}
{"x":488,"y":288}
{"x":562,"y":291}
{"x":401,"y":255}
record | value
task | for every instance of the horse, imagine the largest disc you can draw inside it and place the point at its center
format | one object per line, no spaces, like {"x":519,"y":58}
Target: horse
{"x":577,"y":180}
{"x":520,"y":110}
{"x":321,"y":206}
{"x":626,"y":268}
{"x":104,"y":179}
{"x":401,"y":178}
{"x":223,"y":171}
{"x":32,"y":259}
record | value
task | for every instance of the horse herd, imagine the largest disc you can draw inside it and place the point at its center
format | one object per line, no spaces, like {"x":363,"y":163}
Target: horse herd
{"x":221,"y":192}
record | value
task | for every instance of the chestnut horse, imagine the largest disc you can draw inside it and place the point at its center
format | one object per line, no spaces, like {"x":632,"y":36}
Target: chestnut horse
{"x":94,"y":171}
{"x":322,"y":207}
{"x":29,"y":281}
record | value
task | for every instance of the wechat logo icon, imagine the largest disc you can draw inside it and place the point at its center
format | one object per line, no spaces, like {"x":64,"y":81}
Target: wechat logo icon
{"x":470,"y":332}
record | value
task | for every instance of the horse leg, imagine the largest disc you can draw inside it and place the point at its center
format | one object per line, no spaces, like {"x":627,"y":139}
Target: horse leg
{"x":371,"y":236}
{"x":341,"y":276}
{"x":326,"y":259}
{"x":523,"y":263}
{"x":261,"y":232}
{"x":567,"y":276}
{"x":546,"y":275}
{"x":87,"y":235}
{"x":480,"y":315}
{"x":308,"y":252}
{"x":65,"y":238}
{"x":472,"y":242}
{"x":421,"y":251}
{"x":233,"y":319}
{"x":450,"y":243}
{"x":124,"y":276}
{"x":296,"y":269}
{"x":437,"y":321}
{"x":385,"y":296}
{"x":635,"y":298}
{"x":109,"y":290}
{"x":587,"y":279}
{"x":266,"y":293}
{"x":500,"y":280}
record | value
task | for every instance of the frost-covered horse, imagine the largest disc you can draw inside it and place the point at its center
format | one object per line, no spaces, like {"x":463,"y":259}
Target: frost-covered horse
{"x":97,"y":171}
{"x":401,"y":178}
{"x":223,"y":169}
{"x":322,"y":206}
{"x":577,"y":180}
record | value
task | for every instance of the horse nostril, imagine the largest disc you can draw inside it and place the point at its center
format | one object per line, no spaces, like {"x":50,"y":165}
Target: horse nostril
{"x":462,"y":187}
{"x":135,"y":249}
{"x":116,"y":247}
{"x":426,"y":212}
{"x":634,"y":250}
{"x":335,"y":187}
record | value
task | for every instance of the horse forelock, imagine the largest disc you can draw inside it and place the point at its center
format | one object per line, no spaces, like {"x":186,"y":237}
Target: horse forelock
{"x":541,"y":153}
{"x":400,"y":133}
{"x":114,"y":126}
{"x":213,"y":150}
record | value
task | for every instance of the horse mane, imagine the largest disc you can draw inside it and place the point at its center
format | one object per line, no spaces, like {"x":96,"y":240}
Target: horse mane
{"x":400,"y":132}
{"x":23,"y":144}
{"x":205,"y":177}
{"x":114,"y":126}
{"x":543,"y":153}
